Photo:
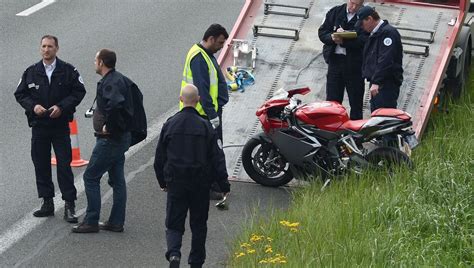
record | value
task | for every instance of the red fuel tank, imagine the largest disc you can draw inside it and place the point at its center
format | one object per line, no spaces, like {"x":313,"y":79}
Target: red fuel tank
{"x":326,"y":115}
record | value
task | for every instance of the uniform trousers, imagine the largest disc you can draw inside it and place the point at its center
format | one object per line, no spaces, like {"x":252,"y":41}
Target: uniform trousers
{"x":387,"y":96}
{"x":183,"y":197}
{"x":42,"y":139}
{"x":342,"y":74}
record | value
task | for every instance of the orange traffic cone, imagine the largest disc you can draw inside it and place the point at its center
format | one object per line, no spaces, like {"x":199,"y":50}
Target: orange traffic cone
{"x":77,"y":161}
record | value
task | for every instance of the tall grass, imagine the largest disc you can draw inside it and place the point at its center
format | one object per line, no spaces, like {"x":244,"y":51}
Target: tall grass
{"x":419,"y":217}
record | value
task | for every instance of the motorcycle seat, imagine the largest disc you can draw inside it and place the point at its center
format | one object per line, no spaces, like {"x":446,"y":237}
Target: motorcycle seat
{"x":354,"y":125}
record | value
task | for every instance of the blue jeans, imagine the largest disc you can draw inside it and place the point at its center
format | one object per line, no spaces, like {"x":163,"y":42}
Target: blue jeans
{"x":108,"y":156}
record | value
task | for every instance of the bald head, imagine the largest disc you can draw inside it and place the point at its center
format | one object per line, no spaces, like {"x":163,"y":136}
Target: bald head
{"x":189,"y":95}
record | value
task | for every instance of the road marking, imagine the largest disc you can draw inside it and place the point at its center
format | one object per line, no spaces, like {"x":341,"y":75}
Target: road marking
{"x":35,"y":8}
{"x":28,"y":223}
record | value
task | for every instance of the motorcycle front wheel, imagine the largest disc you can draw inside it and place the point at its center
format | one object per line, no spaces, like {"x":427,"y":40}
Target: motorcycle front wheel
{"x":264,"y":164}
{"x":388,"y":158}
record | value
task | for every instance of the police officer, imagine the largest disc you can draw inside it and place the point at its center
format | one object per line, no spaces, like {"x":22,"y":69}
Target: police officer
{"x":202,"y":70}
{"x":188,"y":159}
{"x":382,"y":62}
{"x":344,"y":56}
{"x":49,"y":91}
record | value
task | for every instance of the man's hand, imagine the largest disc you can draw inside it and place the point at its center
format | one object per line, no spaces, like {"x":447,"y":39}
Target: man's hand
{"x":336,"y":39}
{"x":374,"y":90}
{"x":55,"y":111}
{"x":215,"y":122}
{"x":104,"y":130}
{"x":164,"y":189}
{"x":39,"y":110}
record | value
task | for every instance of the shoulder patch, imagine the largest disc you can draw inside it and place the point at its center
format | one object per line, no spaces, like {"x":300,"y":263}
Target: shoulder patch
{"x":387,"y":41}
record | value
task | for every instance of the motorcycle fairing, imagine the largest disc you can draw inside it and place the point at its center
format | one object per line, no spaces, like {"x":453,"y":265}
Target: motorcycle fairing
{"x":295,"y":149}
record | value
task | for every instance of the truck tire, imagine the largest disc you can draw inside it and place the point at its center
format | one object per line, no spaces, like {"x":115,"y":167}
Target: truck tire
{"x":459,"y":84}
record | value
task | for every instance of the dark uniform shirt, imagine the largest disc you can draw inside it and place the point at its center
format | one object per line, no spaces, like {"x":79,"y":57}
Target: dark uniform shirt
{"x":383,"y":54}
{"x":66,"y":90}
{"x":335,"y":18}
{"x":114,"y":103}
{"x":188,"y":151}
{"x":201,"y":80}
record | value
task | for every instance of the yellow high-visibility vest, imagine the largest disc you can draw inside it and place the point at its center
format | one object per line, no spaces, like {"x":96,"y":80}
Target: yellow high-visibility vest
{"x":188,"y":77}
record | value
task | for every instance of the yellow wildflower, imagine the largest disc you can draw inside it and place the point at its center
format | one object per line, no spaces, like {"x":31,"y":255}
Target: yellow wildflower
{"x":263,"y":261}
{"x":268,"y":250}
{"x":256,"y":238}
{"x":245,"y":245}
{"x":294,"y":224}
{"x":239,"y":254}
{"x":250,"y":251}
{"x":294,"y":230}
{"x":269,"y":239}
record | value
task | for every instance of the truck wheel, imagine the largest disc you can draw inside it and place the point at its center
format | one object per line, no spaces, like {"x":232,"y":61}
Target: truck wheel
{"x":459,"y":85}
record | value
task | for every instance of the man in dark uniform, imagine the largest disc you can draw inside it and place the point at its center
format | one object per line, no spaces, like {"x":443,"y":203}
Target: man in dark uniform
{"x":188,"y":159}
{"x":202,"y":70}
{"x":382,"y":62}
{"x":112,"y":122}
{"x":49,"y":91}
{"x":344,"y":56}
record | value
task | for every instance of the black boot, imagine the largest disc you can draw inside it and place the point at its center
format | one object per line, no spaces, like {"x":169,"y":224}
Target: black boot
{"x":46,"y":210}
{"x":70,"y":212}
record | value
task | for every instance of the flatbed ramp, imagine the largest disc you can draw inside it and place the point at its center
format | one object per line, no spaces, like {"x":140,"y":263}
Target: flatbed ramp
{"x":297,"y":61}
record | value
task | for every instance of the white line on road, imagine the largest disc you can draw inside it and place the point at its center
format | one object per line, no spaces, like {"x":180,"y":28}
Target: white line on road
{"x":35,"y":8}
{"x":28,"y":223}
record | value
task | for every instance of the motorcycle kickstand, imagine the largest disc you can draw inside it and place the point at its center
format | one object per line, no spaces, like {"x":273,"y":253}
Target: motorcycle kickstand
{"x":326,"y":183}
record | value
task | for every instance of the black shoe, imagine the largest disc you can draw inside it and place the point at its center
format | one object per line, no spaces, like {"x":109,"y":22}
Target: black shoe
{"x":215,"y":195}
{"x":85,"y":228}
{"x":111,"y":227}
{"x":70,"y":212}
{"x":174,"y":261}
{"x":46,"y":210}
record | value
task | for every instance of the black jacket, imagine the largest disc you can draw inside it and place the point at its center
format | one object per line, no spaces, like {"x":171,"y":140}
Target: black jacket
{"x":66,"y":91}
{"x":337,"y":16}
{"x":188,"y":151}
{"x":114,"y":102}
{"x":383,"y":54}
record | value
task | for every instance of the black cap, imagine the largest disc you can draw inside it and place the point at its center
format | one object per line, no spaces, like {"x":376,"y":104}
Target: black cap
{"x":363,"y":13}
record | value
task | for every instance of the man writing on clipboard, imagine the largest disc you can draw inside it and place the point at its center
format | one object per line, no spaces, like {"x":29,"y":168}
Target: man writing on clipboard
{"x":342,"y":51}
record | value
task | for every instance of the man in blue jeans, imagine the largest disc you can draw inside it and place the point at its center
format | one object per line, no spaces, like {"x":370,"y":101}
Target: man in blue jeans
{"x":112,"y":121}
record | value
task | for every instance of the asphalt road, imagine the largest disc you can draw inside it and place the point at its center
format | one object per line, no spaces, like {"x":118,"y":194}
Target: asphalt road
{"x":151,"y":39}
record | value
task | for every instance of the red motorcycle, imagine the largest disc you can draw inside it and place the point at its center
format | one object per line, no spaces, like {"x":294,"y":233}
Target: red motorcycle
{"x":301,"y":140}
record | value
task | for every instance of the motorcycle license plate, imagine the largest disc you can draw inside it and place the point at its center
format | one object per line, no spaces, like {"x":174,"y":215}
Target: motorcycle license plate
{"x":411,"y":140}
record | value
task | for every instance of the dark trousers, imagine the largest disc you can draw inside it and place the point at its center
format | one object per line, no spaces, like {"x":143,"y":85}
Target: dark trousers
{"x":41,"y":141}
{"x":343,"y":74}
{"x":215,"y":187}
{"x":387,"y":96}
{"x":181,"y":198}
{"x":108,"y":156}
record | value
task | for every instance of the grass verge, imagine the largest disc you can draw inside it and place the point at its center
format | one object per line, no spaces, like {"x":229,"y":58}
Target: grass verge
{"x":420,"y":217}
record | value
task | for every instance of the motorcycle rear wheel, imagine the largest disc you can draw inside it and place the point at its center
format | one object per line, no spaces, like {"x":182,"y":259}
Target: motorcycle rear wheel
{"x":388,"y":158}
{"x":255,"y":157}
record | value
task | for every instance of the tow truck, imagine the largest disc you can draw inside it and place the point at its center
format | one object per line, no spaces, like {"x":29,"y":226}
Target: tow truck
{"x":279,"y":41}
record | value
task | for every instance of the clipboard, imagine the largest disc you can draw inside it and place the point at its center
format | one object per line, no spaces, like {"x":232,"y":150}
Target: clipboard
{"x":346,"y":35}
